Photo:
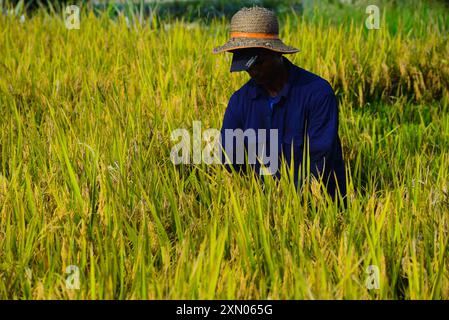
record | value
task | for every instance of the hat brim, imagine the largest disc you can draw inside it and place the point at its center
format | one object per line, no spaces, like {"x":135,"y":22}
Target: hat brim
{"x":243,"y":43}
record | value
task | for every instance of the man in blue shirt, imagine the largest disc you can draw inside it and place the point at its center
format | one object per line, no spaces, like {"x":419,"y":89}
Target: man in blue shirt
{"x":298,"y":104}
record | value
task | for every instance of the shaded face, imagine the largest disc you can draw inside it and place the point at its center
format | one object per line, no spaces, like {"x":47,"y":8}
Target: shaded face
{"x":264,"y":69}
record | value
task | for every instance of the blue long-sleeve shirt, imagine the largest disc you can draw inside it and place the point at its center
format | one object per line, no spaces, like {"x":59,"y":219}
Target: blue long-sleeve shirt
{"x":305,"y":105}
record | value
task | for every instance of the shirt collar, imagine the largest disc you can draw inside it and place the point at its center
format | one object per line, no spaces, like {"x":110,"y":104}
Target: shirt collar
{"x":256,"y":90}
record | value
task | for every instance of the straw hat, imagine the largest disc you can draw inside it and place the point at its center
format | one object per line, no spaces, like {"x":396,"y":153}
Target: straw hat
{"x":255,"y":27}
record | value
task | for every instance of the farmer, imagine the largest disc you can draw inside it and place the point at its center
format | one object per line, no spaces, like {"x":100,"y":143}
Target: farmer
{"x":298,"y":104}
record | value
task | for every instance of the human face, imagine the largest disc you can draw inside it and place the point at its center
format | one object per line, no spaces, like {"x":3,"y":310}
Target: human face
{"x":264,"y":69}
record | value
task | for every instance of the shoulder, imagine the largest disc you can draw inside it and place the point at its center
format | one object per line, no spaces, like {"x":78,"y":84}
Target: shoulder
{"x":311,"y":82}
{"x":315,"y":90}
{"x":244,"y":92}
{"x":239,"y":98}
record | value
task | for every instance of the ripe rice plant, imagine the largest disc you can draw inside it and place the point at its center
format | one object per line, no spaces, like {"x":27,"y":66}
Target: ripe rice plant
{"x":86,"y":178}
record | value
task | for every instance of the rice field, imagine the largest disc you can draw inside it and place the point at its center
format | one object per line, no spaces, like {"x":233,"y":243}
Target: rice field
{"x":87,"y":186}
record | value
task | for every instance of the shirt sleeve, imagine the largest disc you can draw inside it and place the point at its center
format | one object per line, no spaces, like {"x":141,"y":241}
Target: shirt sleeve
{"x":232,"y":120}
{"x":322,"y":130}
